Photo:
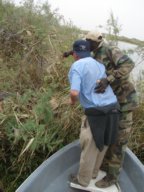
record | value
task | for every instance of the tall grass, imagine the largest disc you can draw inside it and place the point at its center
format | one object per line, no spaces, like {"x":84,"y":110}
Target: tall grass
{"x":35,"y":120}
{"x":136,"y":142}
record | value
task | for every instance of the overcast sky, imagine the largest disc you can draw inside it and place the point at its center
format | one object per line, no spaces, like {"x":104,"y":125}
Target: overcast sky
{"x":88,"y":14}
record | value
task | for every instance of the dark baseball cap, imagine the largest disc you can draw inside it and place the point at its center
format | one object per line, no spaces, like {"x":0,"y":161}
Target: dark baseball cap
{"x":82,"y":48}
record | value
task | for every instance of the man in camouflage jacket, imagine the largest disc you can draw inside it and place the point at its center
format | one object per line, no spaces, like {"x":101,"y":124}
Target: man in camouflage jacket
{"x":118,"y":68}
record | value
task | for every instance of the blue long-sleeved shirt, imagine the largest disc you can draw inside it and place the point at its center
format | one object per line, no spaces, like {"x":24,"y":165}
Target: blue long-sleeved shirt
{"x":83,"y":75}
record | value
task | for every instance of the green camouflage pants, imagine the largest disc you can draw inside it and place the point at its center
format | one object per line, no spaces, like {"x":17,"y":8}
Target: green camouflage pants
{"x":115,"y":154}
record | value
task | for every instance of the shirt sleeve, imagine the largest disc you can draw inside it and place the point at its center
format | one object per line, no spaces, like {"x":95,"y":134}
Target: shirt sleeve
{"x":123,"y":64}
{"x":74,"y":79}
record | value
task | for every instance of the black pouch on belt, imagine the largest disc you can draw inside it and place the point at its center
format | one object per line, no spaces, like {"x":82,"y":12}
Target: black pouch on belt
{"x":104,"y":123}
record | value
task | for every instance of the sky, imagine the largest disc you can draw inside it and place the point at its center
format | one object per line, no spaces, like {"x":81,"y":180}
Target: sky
{"x":89,"y":14}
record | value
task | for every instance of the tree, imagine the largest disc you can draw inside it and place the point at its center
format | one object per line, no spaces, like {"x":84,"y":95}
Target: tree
{"x":113,"y":28}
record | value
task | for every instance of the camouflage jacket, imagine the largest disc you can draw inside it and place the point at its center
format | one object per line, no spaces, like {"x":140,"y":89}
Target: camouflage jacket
{"x":118,"y":68}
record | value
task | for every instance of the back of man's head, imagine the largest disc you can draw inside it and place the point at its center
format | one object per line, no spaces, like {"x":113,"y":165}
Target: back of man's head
{"x":81,"y":48}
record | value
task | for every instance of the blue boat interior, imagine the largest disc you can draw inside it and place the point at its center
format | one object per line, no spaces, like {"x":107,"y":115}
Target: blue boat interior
{"x":52,"y":175}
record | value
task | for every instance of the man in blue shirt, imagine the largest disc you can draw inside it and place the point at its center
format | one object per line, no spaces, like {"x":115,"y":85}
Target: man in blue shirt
{"x":100,"y":125}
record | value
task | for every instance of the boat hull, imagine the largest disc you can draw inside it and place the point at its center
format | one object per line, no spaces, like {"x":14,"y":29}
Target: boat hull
{"x":52,"y":174}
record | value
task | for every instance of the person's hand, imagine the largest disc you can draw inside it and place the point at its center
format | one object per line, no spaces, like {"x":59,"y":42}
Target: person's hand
{"x":72,"y":103}
{"x":67,"y":54}
{"x":102,"y":85}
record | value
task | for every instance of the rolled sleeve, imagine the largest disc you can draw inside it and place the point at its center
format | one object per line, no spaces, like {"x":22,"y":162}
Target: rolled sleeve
{"x":75,"y":81}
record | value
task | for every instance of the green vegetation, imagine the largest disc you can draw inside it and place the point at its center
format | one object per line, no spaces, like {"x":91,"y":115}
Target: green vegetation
{"x":35,"y":118}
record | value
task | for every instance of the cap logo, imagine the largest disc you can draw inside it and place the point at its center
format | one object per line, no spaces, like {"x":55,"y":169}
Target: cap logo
{"x":81,"y":48}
